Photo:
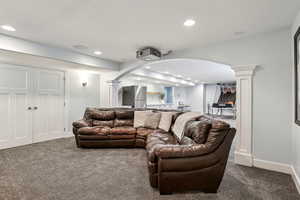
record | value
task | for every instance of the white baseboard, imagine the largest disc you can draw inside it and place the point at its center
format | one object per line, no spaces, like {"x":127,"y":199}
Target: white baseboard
{"x":247,"y":160}
{"x":273,"y":166}
{"x":295,"y":178}
{"x":241,"y":158}
{"x":68,"y":134}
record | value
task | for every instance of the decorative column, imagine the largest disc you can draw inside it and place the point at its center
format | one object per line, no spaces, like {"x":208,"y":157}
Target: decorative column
{"x":114,"y":92}
{"x":243,"y":146}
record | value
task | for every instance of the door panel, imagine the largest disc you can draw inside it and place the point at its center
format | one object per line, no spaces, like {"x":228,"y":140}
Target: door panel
{"x":22,"y":117}
{"x":49,"y":100}
{"x":15,"y":98}
{"x":4,"y":119}
{"x":24,"y":87}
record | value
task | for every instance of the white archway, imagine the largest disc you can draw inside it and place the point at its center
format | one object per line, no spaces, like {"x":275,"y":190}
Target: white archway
{"x":243,"y":154}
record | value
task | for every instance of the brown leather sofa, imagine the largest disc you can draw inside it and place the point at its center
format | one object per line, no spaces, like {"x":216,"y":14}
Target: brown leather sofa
{"x":110,"y":127}
{"x":196,"y":163}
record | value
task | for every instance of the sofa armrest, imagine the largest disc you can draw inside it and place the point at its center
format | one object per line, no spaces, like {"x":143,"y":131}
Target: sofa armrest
{"x":81,"y":123}
{"x":182,"y":151}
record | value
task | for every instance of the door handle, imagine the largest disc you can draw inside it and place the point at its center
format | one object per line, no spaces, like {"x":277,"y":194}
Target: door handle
{"x":29,"y":108}
{"x":35,"y":107}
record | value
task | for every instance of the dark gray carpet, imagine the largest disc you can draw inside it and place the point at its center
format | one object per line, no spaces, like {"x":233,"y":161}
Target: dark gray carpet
{"x":57,"y":170}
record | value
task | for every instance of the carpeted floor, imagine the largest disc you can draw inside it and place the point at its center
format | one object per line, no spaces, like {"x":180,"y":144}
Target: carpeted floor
{"x":57,"y":170}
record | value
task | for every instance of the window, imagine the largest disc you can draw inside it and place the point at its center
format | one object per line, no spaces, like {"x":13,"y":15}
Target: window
{"x":169,"y":95}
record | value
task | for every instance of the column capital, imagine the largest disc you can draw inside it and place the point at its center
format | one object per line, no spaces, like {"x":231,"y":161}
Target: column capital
{"x":244,"y":70}
{"x":113,"y":82}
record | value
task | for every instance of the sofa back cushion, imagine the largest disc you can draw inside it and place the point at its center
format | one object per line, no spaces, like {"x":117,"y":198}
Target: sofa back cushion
{"x":217,"y":133}
{"x":123,"y":122}
{"x":109,"y":123}
{"x":198,"y":131}
{"x":124,"y":114}
{"x":102,"y":115}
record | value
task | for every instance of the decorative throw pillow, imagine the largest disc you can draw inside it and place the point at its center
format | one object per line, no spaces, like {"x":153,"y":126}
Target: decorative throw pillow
{"x":181,"y":121}
{"x":152,"y":120}
{"x":166,"y":121}
{"x":140,"y":118}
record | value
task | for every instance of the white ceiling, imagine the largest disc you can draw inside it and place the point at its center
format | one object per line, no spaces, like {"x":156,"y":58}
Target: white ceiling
{"x":190,"y":71}
{"x":119,"y":27}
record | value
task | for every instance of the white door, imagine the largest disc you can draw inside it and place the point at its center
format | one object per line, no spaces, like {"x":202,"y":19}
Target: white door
{"x":15,"y":100}
{"x":48,"y":114}
{"x":31,"y":105}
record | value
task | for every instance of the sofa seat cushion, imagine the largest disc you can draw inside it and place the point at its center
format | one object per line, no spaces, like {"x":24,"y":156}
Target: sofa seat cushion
{"x":140,"y":142}
{"x":96,"y":130}
{"x":187,"y":141}
{"x":105,"y":137}
{"x":143,"y":132}
{"x":126,"y":130}
{"x":156,"y":141}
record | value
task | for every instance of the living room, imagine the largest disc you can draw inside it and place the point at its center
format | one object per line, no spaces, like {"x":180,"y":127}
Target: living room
{"x":143,"y":100}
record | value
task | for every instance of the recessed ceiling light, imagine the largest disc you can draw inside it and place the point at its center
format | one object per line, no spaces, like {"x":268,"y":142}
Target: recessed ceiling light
{"x":148,"y":67}
{"x":167,"y":72}
{"x":189,"y":78}
{"x":179,"y":76}
{"x":97,"y":52}
{"x":8,"y":28}
{"x":189,"y":22}
{"x":177,"y":85}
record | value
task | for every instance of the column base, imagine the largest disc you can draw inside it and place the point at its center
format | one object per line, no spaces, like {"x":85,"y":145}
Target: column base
{"x":242,"y":158}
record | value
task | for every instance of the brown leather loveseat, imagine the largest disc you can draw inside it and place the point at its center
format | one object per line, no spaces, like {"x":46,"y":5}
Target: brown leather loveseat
{"x":197,"y":162}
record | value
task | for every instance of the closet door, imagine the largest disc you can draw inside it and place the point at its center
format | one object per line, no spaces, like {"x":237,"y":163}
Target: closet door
{"x":48,"y":114}
{"x":15,"y":106}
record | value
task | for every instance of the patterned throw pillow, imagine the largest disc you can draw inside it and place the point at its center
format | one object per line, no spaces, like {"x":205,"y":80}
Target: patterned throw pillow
{"x":152,"y":120}
{"x":166,"y":121}
{"x":140,"y":118}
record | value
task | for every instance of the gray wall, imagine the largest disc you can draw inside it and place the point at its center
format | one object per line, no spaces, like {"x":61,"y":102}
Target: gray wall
{"x":82,"y":97}
{"x":95,"y":94}
{"x":272,"y":99}
{"x":296,"y":129}
{"x":195,"y":98}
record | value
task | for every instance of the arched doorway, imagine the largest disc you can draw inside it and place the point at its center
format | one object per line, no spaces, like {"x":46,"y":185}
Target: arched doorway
{"x":244,"y":77}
